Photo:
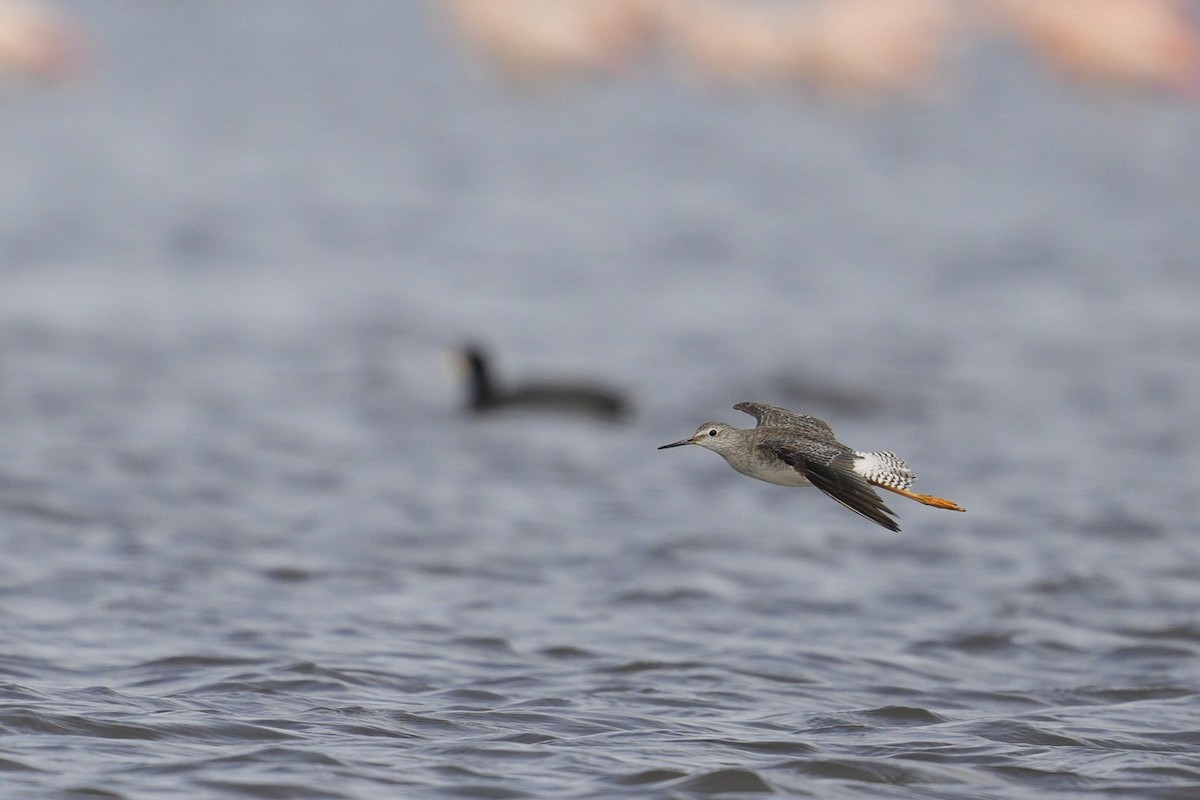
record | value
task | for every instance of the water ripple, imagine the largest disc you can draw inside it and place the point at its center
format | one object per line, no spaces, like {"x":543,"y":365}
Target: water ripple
{"x":861,"y":770}
{"x":723,"y":781}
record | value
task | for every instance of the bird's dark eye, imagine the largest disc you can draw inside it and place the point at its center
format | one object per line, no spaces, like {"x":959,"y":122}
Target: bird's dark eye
{"x":712,"y":431}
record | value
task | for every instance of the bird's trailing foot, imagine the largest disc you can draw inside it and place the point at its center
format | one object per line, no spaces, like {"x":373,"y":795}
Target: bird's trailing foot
{"x":927,"y":499}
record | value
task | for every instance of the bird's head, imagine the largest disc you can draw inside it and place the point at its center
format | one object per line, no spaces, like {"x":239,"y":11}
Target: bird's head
{"x":716,"y":436}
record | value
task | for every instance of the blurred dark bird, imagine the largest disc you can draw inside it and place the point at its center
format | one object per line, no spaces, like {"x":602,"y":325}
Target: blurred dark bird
{"x":484,"y":395}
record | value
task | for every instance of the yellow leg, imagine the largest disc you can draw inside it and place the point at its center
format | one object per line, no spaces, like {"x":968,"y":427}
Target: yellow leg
{"x":927,"y":499}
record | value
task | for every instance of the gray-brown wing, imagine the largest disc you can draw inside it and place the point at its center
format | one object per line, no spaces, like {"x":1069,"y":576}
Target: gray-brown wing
{"x":830,"y":469}
{"x":772,"y":416}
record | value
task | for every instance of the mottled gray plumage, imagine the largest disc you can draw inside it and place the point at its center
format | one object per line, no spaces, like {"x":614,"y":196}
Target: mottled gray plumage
{"x":809,"y":427}
{"x":791,"y":449}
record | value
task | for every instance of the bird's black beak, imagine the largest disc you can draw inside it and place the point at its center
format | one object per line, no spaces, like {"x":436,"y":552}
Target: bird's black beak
{"x":680,"y":443}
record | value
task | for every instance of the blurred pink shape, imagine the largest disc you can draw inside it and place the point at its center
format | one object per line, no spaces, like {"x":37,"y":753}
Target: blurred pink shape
{"x":842,"y":46}
{"x":40,"y":43}
{"x":724,"y":43}
{"x":541,"y":40}
{"x":876,"y":45}
{"x":1119,"y":42}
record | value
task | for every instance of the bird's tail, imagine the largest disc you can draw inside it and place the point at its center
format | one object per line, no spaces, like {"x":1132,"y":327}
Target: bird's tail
{"x":884,"y":469}
{"x":888,"y":471}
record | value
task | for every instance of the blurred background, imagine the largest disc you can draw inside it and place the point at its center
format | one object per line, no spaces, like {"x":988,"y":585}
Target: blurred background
{"x":238,"y":478}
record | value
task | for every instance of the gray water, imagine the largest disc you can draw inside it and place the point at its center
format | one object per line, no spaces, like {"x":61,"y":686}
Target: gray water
{"x":253,"y":548}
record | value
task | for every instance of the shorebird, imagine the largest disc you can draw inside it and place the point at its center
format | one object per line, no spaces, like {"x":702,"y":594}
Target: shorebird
{"x":791,"y":449}
{"x":483,"y":395}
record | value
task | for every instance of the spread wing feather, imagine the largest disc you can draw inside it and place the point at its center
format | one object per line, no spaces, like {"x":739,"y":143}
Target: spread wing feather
{"x":834,"y":475}
{"x":772,"y":416}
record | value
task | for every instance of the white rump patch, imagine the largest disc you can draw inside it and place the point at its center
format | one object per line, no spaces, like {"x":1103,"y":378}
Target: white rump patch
{"x":884,"y":468}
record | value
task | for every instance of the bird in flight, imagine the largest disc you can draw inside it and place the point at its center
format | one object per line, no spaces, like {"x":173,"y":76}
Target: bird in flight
{"x":791,"y":449}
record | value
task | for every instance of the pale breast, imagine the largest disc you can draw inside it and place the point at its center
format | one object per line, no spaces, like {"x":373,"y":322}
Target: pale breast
{"x":770,"y":470}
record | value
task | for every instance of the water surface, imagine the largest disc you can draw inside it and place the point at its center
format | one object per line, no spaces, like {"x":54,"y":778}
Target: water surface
{"x":254,"y":549}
